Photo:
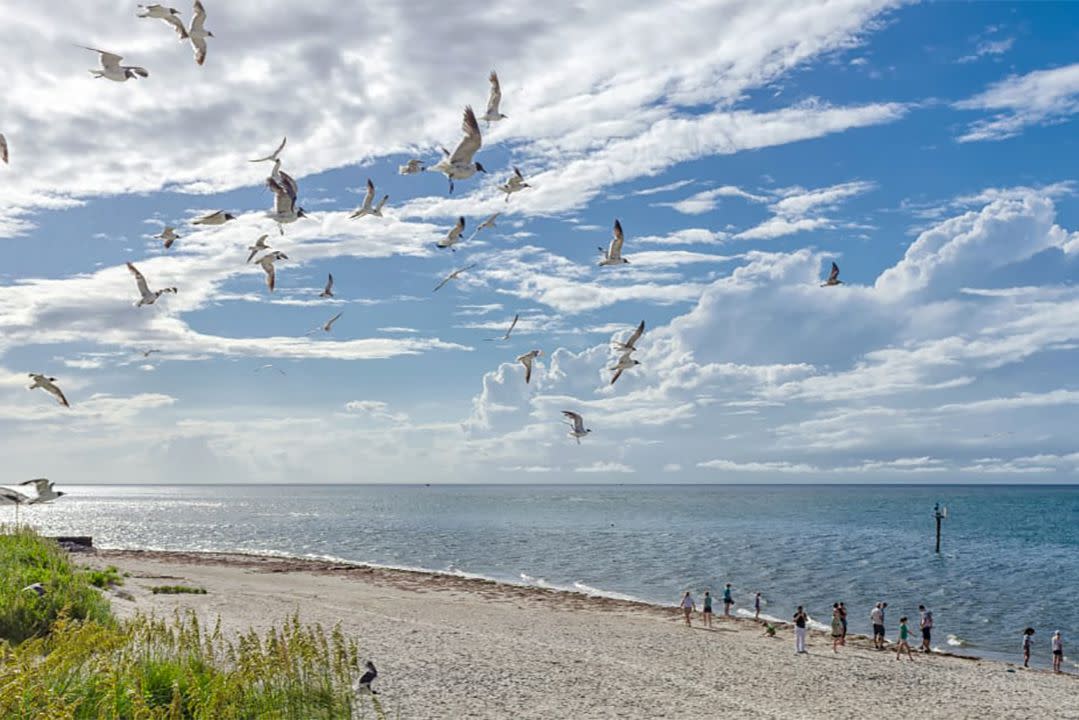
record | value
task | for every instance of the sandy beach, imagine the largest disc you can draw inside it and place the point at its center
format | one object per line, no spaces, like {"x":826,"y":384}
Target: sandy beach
{"x":451,"y":647}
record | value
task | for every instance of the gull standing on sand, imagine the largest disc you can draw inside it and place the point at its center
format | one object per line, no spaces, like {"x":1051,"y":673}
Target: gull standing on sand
{"x":272,"y":157}
{"x":258,"y":247}
{"x":328,"y":290}
{"x":460,"y":165}
{"x":219,"y":217}
{"x":363,"y":685}
{"x":527,"y":360}
{"x":578,"y":430}
{"x":267,"y":263}
{"x":148,"y":297}
{"x":198,"y":32}
{"x":624,"y":363}
{"x":47,"y":384}
{"x":169,"y":15}
{"x":368,"y":207}
{"x":493,"y":101}
{"x":169,"y":236}
{"x":516,"y":183}
{"x":613,"y":254}
{"x":3,"y":149}
{"x":328,"y":327}
{"x":453,"y":236}
{"x":111,"y":69}
{"x":453,"y":276}
{"x":506,"y":337}
{"x":412,"y":167}
{"x":630,"y":345}
{"x":833,"y":277}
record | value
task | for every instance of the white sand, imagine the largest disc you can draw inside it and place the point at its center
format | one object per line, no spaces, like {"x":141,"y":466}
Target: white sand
{"x":451,"y":648}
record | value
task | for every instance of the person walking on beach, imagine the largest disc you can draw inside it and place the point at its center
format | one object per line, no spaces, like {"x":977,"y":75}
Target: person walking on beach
{"x":1028,"y":637}
{"x":904,"y":639}
{"x":800,"y":618}
{"x":843,"y":621}
{"x":688,"y":606}
{"x":926,"y":625}
{"x":707,"y":614}
{"x":757,"y":607}
{"x":727,"y":600}
{"x":1058,"y":651}
{"x":837,"y":628}
{"x":876,"y":617}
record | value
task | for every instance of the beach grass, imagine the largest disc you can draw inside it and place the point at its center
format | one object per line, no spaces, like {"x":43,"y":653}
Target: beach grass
{"x":65,"y":657}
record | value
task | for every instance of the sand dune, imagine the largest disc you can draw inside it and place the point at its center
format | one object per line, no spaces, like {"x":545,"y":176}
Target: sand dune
{"x":451,"y":647}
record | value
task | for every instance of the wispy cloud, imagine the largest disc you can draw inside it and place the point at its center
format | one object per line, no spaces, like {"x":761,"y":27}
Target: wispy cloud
{"x":1022,"y":101}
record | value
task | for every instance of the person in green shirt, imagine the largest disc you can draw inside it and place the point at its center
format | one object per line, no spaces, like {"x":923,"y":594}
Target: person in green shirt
{"x":904,"y":637}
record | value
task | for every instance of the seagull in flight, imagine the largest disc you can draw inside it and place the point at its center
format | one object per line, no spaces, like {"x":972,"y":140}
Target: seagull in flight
{"x":613,"y":254}
{"x":3,"y":149}
{"x":453,"y":236}
{"x":198,"y":32}
{"x":148,"y":297}
{"x":527,"y":360}
{"x":328,"y":327}
{"x":47,"y":384}
{"x":169,"y":15}
{"x":453,"y":276}
{"x":624,"y":363}
{"x":577,"y":424}
{"x":111,"y":69}
{"x":833,"y":277}
{"x":630,"y":345}
{"x":272,"y":157}
{"x":368,"y":207}
{"x":151,"y":351}
{"x":44,"y":490}
{"x":460,"y":164}
{"x":328,"y":290}
{"x":11,"y":497}
{"x":493,"y":101}
{"x":169,"y":236}
{"x":258,"y":247}
{"x":219,"y":217}
{"x":270,"y":366}
{"x":267,"y":262}
{"x":284,"y":189}
{"x":412,"y":167}
{"x":516,"y":183}
{"x":488,"y":223}
{"x":506,"y":337}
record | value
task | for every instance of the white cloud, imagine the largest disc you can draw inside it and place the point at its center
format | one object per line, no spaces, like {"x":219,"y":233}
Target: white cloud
{"x":706,"y":200}
{"x":799,"y":210}
{"x":989,"y":48}
{"x":1019,"y":102}
{"x":604,"y":467}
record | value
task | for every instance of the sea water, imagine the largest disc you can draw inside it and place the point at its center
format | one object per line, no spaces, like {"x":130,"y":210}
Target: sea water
{"x":1009,"y":559}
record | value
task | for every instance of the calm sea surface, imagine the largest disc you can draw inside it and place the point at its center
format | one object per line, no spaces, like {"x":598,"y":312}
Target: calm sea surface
{"x":1010,"y":555}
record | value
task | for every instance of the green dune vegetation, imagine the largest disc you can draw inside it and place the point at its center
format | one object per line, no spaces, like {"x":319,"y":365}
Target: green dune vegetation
{"x":63,"y":655}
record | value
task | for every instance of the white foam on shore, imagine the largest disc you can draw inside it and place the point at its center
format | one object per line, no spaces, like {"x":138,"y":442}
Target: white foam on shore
{"x":956,"y":641}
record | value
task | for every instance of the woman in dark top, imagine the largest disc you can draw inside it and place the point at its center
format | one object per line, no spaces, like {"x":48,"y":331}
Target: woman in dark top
{"x":800,"y":618}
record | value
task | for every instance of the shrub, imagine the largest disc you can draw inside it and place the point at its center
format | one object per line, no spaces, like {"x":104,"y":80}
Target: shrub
{"x":177,"y":590}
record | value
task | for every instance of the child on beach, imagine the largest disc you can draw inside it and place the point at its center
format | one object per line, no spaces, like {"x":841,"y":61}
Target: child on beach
{"x":1028,"y":635}
{"x":843,"y":621}
{"x":707,"y":614}
{"x":1058,"y":651}
{"x":800,"y":618}
{"x":688,"y":606}
{"x":904,"y":636}
{"x":757,"y":607}
{"x":837,"y":628}
{"x":727,"y":600}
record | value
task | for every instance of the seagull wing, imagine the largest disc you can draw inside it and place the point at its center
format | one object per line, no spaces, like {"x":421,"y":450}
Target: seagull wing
{"x":616,"y":241}
{"x":632,"y":341}
{"x":458,"y":228}
{"x":495,"y":98}
{"x":271,"y":273}
{"x":617,"y":374}
{"x":260,"y":244}
{"x":526,"y":360}
{"x":11,"y":497}
{"x":834,"y":274}
{"x":512,"y":325}
{"x":198,"y":22}
{"x":41,"y":485}
{"x":578,"y":421}
{"x":200,"y":49}
{"x":55,"y":392}
{"x":369,"y":197}
{"x":140,"y":280}
{"x":109,"y":61}
{"x":177,"y":25}
{"x":3,"y":149}
{"x":274,"y":154}
{"x":471,"y":142}
{"x":332,"y":320}
{"x":284,"y":202}
{"x":489,"y":222}
{"x":443,"y":283}
{"x":329,"y":285}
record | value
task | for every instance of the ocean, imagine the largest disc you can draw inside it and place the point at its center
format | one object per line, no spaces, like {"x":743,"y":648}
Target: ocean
{"x":1010,"y":555}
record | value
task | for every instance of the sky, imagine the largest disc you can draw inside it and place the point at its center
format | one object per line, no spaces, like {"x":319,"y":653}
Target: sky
{"x":929,"y":149}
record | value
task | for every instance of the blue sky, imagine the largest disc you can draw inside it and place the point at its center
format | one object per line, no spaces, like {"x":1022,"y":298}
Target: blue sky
{"x":928,"y":149}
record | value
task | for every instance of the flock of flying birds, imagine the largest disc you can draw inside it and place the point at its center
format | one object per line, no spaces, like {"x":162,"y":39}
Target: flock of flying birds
{"x":458,"y":165}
